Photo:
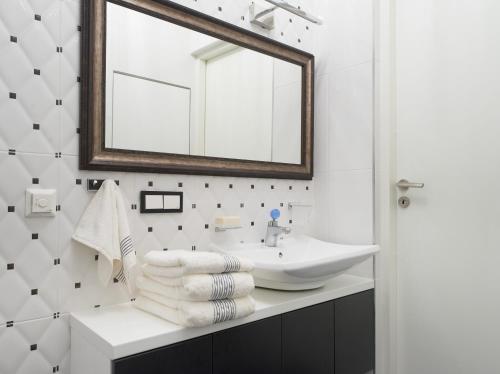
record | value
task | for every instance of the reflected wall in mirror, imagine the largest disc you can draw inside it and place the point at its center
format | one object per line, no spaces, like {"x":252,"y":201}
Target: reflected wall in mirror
{"x":171,"y":90}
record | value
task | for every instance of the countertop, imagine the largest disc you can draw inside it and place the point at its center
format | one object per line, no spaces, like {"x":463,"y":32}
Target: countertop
{"x":122,"y":330}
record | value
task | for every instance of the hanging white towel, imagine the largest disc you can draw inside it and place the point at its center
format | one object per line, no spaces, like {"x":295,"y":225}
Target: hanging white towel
{"x":104,"y":227}
{"x":195,"y":313}
{"x":200,"y":287}
{"x":177,"y":263}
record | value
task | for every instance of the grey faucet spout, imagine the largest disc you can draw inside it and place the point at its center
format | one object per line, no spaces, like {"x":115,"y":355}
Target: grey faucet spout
{"x":273,"y":231}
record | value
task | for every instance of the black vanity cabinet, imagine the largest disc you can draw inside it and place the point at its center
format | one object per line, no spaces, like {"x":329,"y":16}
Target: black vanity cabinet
{"x":335,"y":337}
{"x":249,"y":349}
{"x":188,"y":357}
{"x":308,"y":340}
{"x":355,"y":334}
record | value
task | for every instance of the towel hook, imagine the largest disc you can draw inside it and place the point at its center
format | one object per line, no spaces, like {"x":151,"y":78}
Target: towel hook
{"x":94,"y":184}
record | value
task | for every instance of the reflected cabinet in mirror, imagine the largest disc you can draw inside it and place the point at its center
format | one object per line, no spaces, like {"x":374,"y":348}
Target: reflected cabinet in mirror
{"x":166,"y":89}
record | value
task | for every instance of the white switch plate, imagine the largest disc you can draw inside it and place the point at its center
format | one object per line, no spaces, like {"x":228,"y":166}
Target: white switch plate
{"x":40,"y":203}
{"x":171,"y":202}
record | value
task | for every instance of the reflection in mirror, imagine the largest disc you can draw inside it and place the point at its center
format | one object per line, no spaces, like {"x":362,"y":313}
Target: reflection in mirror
{"x":170,"y":89}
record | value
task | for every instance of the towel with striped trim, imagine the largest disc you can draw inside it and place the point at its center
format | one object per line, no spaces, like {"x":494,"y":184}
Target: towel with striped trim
{"x":104,"y":227}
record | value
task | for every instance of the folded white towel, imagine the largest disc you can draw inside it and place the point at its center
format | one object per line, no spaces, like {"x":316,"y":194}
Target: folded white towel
{"x":177,"y":263}
{"x":200,"y":287}
{"x":195,"y":313}
{"x":104,"y":227}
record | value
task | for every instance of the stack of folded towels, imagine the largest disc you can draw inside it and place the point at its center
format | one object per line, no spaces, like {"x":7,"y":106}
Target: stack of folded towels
{"x":195,"y":289}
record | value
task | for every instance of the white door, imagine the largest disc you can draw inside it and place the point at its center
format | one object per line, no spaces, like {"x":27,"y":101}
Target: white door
{"x":448,"y":137}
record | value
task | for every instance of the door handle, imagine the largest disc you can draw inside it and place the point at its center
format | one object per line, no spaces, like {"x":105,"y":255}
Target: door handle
{"x":404,"y":185}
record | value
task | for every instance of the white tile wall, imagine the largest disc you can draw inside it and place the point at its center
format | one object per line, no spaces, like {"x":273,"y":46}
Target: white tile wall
{"x":344,"y":124}
{"x":43,"y":274}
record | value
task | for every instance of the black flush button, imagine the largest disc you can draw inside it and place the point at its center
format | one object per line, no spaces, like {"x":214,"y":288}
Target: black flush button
{"x":161,"y":201}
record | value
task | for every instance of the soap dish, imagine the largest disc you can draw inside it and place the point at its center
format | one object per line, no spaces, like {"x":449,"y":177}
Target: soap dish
{"x":224,"y":223}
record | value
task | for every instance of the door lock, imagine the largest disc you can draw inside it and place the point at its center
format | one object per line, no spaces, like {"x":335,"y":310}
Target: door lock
{"x":404,"y":202}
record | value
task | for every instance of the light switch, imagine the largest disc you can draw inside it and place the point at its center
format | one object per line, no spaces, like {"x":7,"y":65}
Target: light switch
{"x":40,"y":202}
{"x":154,"y":202}
{"x":171,"y":202}
{"x":161,"y":202}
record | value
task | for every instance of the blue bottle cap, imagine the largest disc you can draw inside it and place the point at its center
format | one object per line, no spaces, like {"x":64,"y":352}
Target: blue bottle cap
{"x":275,"y":214}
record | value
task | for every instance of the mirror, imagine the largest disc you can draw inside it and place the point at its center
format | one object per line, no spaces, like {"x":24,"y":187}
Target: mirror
{"x":178,"y":91}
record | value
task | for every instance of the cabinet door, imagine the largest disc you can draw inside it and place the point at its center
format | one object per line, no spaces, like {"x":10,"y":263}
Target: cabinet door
{"x":355,"y":334}
{"x":254,"y":348}
{"x":189,"y":357}
{"x":308,"y":338}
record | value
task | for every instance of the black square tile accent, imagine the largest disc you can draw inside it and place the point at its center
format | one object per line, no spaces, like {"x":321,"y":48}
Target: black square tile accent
{"x":96,"y":257}
{"x":58,"y":208}
{"x":12,"y":95}
{"x":78,"y":130}
{"x":262,"y":205}
{"x":34,"y":236}
{"x":290,"y":188}
{"x":179,"y":184}
{"x":10,"y":266}
{"x":252,"y":186}
{"x":219,"y":205}
{"x":307,"y":188}
{"x":55,"y":369}
{"x":11,"y":209}
{"x":97,"y":306}
{"x":193,"y":206}
{"x":10,"y":323}
{"x":150,"y":229}
{"x":34,"y":291}
{"x":207,"y":185}
{"x":242,"y":205}
{"x":12,"y":152}
{"x":78,"y":285}
{"x":78,"y":79}
{"x":33,"y":347}
{"x":290,"y":221}
{"x":134,"y":207}
{"x":150,"y":184}
{"x":78,"y":181}
{"x":58,"y":102}
{"x":115,"y":280}
{"x":165,"y":249}
{"x":35,"y":181}
{"x":57,"y":261}
{"x":252,"y":223}
{"x":193,"y":248}
{"x":220,"y":9}
{"x":59,"y":49}
{"x":231,"y":185}
{"x":272,"y":187}
{"x":36,"y":126}
{"x":38,"y":17}
{"x":179,"y":227}
{"x":13,"y":39}
{"x":206,"y":226}
{"x":36,"y":71}
{"x":262,"y":240}
{"x":281,"y":205}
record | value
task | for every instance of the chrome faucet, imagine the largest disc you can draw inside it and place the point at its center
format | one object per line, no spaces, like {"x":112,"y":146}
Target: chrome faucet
{"x":274,"y":230}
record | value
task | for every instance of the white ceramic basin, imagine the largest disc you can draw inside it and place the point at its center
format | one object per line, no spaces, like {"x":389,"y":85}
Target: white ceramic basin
{"x":300,"y":262}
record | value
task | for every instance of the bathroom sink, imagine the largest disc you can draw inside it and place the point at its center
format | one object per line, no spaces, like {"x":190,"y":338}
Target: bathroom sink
{"x":300,"y":262}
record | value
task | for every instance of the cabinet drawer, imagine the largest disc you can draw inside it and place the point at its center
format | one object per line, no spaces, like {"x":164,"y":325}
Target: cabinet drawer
{"x":250,"y":349}
{"x":189,"y":357}
{"x":308,"y":338}
{"x":355,"y":334}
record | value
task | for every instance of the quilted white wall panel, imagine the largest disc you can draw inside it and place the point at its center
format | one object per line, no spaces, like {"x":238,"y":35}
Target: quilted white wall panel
{"x":43,"y":274}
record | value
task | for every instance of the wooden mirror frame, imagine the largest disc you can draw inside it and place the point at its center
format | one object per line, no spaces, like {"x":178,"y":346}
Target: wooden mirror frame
{"x":93,"y":153}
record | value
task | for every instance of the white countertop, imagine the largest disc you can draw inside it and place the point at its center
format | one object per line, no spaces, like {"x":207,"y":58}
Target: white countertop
{"x":122,"y":330}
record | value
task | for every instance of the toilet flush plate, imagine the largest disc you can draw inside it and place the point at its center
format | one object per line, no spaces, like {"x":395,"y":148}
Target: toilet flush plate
{"x":40,"y":202}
